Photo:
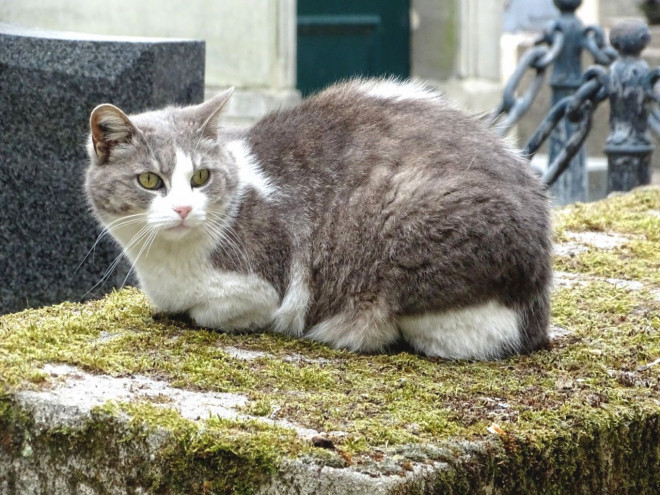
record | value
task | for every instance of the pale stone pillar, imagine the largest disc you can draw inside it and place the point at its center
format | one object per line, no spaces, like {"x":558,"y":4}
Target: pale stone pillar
{"x":434,"y":31}
{"x":480,"y":31}
{"x":476,"y":85}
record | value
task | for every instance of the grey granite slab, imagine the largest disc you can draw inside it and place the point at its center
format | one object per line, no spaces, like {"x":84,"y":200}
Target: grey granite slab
{"x":49,"y":83}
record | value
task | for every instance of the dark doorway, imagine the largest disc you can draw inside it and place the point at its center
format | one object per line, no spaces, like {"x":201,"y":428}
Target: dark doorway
{"x":338,"y":39}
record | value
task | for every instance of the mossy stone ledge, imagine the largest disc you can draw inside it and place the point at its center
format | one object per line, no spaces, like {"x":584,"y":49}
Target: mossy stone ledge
{"x":107,"y":398}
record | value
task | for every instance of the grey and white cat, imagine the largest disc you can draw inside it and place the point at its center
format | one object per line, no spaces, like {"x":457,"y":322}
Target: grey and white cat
{"x":371,"y":212}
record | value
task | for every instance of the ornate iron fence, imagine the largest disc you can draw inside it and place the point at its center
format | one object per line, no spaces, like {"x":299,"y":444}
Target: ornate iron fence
{"x":621,"y":76}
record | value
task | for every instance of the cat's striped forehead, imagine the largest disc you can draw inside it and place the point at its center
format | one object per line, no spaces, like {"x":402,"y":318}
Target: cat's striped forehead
{"x":165,"y":158}
{"x":164,"y":151}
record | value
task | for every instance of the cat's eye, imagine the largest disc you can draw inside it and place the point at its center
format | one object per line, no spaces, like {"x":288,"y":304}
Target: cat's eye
{"x":149,"y":180}
{"x":200,"y":177}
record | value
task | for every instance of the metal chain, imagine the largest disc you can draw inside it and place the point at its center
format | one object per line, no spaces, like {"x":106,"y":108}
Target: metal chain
{"x":555,"y":39}
{"x":594,"y":87}
{"x":563,"y":159}
{"x":654,"y":122}
{"x":578,"y":109}
{"x":654,"y":99}
{"x":594,"y":42}
{"x":651,"y":79}
{"x":538,"y":57}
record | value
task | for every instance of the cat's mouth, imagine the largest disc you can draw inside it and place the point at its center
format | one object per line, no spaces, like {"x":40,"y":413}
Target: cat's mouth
{"x":177,"y":231}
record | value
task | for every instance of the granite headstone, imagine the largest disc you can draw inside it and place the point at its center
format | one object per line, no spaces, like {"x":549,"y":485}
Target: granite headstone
{"x":49,"y":83}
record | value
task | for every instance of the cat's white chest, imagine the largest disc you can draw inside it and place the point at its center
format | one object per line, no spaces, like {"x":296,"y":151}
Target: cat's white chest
{"x":181,"y":282}
{"x":174,"y":285}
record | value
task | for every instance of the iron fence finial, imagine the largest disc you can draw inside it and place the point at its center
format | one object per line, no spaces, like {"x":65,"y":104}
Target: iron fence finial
{"x":630,"y":37}
{"x":567,"y":6}
{"x":628,"y":146}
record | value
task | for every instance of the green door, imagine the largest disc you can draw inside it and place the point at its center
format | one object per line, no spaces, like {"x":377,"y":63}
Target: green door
{"x":338,"y":39}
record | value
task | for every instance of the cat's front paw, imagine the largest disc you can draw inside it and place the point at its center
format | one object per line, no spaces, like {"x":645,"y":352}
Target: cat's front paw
{"x":289,"y":320}
{"x":229,"y":318}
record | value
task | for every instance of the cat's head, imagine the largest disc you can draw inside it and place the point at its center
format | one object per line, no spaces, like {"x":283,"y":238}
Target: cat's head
{"x":164,"y":173}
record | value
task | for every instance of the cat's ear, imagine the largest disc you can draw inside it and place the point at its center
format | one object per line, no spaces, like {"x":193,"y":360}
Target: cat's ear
{"x":109,"y":127}
{"x":207,"y":115}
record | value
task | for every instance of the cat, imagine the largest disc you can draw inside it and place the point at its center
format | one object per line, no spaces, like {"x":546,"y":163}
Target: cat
{"x":370,"y":213}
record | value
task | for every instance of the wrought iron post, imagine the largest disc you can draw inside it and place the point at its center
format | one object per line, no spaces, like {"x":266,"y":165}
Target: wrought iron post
{"x":628,"y":146}
{"x":566,"y":76}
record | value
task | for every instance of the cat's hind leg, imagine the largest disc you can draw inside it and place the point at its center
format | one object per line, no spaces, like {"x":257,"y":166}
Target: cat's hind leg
{"x":534,"y":322}
{"x":367,"y":329}
{"x":485,"y":331}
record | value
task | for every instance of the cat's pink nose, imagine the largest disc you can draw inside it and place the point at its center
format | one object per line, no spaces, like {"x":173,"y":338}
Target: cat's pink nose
{"x":182,"y":211}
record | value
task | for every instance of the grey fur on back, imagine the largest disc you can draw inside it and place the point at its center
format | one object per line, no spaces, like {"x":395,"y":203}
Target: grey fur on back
{"x":391,"y":206}
{"x":409,"y":201}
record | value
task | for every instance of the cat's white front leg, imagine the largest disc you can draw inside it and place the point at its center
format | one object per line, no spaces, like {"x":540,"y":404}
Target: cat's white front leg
{"x":228,"y":315}
{"x":290,"y":317}
{"x":237,"y":302}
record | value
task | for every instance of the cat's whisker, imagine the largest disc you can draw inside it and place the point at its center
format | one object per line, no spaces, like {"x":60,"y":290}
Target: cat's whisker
{"x":226,"y":233}
{"x":136,"y":238}
{"x":118,"y":223}
{"x":230,"y":248}
{"x":226,"y":245}
{"x":217,"y":220}
{"x":239,"y":246}
{"x":151,"y":235}
{"x":145,"y":232}
{"x":123,"y":219}
{"x":106,"y":275}
{"x":103,"y":233}
{"x":151,"y":241}
{"x":123,"y":222}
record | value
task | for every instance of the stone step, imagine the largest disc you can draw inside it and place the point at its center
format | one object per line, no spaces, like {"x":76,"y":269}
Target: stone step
{"x":106,"y":397}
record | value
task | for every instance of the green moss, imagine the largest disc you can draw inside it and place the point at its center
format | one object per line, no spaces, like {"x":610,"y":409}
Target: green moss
{"x":637,"y":213}
{"x":554,"y":406}
{"x":220,"y":455}
{"x":634,"y":215}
